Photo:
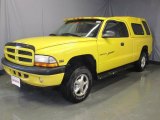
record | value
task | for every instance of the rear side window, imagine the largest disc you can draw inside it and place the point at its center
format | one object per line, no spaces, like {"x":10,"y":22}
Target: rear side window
{"x":137,"y":29}
{"x":119,"y":28}
{"x":146,"y":27}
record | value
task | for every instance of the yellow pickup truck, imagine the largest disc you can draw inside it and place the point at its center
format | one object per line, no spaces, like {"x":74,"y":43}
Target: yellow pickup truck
{"x":82,"y":50}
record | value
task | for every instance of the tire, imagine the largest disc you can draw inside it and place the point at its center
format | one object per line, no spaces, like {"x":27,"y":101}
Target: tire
{"x":140,"y":65}
{"x":77,"y":84}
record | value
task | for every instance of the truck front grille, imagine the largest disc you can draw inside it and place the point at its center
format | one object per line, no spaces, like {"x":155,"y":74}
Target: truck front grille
{"x":20,"y":53}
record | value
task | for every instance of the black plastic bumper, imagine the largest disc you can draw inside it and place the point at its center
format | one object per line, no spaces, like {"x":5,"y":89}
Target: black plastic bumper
{"x":33,"y":69}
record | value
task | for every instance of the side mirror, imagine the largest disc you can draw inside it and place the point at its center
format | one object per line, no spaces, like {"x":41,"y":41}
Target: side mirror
{"x":108,"y":34}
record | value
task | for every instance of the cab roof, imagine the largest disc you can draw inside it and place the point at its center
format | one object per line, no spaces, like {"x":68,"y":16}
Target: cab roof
{"x":105,"y":18}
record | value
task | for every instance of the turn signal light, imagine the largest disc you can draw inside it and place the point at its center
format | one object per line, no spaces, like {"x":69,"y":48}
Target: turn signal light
{"x":39,"y":64}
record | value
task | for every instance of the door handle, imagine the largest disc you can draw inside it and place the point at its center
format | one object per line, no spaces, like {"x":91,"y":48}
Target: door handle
{"x":122,"y":43}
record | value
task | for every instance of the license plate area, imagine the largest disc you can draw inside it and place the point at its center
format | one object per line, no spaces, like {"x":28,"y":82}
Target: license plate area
{"x":16,"y":81}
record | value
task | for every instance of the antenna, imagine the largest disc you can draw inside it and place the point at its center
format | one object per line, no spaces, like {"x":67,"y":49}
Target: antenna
{"x":42,"y":22}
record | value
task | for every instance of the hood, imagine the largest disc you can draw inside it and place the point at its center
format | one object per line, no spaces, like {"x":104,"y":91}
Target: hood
{"x":50,"y":41}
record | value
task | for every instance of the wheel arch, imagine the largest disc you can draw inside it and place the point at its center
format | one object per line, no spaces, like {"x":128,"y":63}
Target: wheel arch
{"x":87,"y":59}
{"x":145,"y":49}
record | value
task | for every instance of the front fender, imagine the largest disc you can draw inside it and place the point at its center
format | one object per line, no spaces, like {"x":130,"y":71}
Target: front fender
{"x":63,"y":53}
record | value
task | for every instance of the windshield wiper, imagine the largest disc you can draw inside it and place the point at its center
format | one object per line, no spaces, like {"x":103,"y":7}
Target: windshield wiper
{"x":52,"y":34}
{"x":69,"y":34}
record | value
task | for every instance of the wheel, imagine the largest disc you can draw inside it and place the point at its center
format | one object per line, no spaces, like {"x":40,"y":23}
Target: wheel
{"x":142,"y":62}
{"x":77,"y":84}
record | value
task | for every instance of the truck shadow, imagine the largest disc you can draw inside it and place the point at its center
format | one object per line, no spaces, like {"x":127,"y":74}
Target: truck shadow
{"x":52,"y":96}
{"x":48,"y":101}
{"x":109,"y":87}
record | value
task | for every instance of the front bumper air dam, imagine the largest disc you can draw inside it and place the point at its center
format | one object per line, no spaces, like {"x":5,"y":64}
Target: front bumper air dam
{"x":36,"y":76}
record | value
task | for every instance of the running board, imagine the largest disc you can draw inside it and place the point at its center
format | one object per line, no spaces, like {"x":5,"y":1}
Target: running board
{"x":114,"y":71}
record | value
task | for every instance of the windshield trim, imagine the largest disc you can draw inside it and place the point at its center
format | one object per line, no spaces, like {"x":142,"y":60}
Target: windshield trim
{"x":87,"y":34}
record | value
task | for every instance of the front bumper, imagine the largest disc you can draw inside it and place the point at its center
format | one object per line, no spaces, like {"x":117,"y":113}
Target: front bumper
{"x":36,"y":76}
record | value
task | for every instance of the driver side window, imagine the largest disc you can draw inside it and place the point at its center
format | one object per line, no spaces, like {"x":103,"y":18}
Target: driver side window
{"x":116,"y":28}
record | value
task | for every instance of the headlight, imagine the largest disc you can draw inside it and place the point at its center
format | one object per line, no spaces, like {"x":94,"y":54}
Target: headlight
{"x":45,"y":61}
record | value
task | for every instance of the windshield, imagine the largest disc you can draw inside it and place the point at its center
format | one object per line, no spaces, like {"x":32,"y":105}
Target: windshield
{"x":79,"y":28}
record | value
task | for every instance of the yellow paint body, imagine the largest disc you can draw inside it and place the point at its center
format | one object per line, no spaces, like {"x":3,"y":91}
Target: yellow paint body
{"x":36,"y":80}
{"x":107,"y":52}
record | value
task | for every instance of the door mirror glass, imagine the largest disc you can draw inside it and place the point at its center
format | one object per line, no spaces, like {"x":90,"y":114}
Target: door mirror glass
{"x":109,"y":34}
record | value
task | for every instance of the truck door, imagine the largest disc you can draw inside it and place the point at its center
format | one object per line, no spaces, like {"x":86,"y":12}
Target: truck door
{"x":115,"y":47}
